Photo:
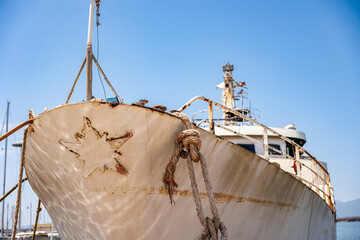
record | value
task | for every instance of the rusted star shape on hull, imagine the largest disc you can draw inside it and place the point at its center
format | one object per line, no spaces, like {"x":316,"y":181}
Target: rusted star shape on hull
{"x":97,"y":150}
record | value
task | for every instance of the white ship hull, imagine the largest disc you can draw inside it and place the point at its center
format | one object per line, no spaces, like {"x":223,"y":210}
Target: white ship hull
{"x":91,"y":198}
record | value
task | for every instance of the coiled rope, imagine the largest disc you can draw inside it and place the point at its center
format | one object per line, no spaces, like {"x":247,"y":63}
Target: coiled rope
{"x":187,"y":145}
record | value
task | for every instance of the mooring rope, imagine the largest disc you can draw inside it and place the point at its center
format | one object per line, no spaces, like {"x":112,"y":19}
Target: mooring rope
{"x":18,"y":197}
{"x":21,"y":170}
{"x":187,"y":145}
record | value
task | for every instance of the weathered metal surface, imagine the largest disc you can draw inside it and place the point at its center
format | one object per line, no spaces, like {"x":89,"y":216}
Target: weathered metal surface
{"x":160,"y":108}
{"x":256,"y":200}
{"x":103,"y":146}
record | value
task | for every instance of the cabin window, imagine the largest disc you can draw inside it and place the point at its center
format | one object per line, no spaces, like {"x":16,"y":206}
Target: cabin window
{"x":277,"y":147}
{"x":249,"y":147}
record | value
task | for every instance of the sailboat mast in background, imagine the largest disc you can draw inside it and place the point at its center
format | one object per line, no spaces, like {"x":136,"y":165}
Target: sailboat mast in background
{"x":6,"y":141}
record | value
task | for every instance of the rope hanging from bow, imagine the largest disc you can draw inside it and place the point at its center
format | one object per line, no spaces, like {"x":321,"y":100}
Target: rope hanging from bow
{"x":187,"y":145}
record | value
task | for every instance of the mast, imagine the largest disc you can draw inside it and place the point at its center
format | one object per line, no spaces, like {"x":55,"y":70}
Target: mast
{"x":90,"y":57}
{"x":30,"y":214}
{"x":228,"y":98}
{"x":228,"y":91}
{"x":89,"y":52}
{"x":3,"y":203}
{"x":7,"y":216}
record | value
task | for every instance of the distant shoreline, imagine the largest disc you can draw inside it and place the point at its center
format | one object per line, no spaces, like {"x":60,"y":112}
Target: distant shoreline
{"x":348,"y":219}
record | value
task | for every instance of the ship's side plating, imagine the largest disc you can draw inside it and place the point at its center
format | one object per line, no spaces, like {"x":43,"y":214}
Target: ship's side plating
{"x":121,"y":195}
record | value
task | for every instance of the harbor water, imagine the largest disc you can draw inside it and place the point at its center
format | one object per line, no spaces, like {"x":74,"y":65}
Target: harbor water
{"x":348,"y":230}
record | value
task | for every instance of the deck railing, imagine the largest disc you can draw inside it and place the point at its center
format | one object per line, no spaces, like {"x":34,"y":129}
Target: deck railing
{"x":321,"y":178}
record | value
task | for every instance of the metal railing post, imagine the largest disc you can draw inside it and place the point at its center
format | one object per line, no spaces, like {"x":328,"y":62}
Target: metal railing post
{"x":266,"y":145}
{"x":211,"y":119}
{"x":297,"y":156}
{"x":316,"y":177}
{"x":324,"y":183}
{"x":328,"y":188}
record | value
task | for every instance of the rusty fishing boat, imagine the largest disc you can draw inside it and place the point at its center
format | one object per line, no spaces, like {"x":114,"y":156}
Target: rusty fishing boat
{"x":105,"y":169}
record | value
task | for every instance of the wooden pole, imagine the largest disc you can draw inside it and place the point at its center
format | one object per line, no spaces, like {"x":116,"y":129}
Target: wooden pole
{"x":89,"y":52}
{"x":11,"y":190}
{"x":38,"y":209}
{"x":88,"y":72}
{"x":16,"y":129}
{"x":77,"y":78}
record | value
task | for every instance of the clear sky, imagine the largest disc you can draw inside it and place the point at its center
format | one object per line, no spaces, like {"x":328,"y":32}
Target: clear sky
{"x":300,"y":60}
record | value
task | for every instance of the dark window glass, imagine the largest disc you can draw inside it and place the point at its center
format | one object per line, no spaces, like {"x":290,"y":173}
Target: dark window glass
{"x":277,"y":147}
{"x":249,"y":147}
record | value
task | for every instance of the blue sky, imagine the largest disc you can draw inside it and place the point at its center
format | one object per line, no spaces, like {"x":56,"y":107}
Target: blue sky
{"x":300,"y":60}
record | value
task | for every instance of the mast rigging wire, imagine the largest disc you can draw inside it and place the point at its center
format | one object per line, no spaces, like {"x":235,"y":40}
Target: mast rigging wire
{"x":2,"y":128}
{"x":12,"y":121}
{"x":97,"y":37}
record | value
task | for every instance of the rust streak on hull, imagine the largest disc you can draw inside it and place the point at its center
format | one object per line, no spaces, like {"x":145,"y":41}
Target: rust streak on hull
{"x":219,"y":197}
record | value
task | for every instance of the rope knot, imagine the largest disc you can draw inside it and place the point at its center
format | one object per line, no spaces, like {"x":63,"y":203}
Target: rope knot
{"x":186,"y":143}
{"x":211,"y":230}
{"x":190,"y":139}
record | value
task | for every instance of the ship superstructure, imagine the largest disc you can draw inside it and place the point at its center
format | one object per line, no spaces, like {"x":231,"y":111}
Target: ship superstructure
{"x":283,"y":147}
